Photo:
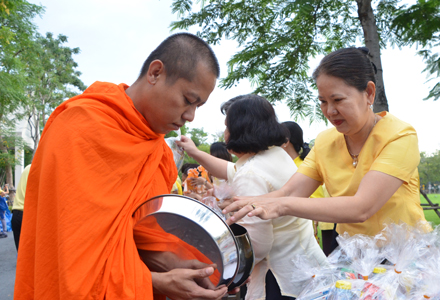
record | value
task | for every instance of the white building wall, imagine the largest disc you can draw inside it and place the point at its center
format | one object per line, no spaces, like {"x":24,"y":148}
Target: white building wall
{"x":21,"y":130}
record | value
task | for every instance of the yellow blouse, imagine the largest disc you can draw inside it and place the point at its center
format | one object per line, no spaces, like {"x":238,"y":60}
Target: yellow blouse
{"x":391,"y":148}
{"x":319,"y":193}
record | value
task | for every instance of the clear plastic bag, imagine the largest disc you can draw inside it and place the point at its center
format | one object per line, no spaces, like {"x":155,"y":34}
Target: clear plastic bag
{"x":306,"y":269}
{"x":364,"y":253}
{"x":429,"y":285}
{"x":318,"y":287}
{"x":178,"y":152}
{"x":223,"y":191}
{"x":212,"y":202}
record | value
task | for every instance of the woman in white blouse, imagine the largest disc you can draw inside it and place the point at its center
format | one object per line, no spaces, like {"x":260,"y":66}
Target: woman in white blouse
{"x":254,"y":135}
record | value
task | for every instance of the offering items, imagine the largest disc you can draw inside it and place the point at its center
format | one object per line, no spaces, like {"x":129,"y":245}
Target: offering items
{"x":401,"y":262}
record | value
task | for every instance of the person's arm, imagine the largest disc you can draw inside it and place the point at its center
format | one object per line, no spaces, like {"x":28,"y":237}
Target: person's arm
{"x":6,"y":189}
{"x":215,"y":166}
{"x":375,"y":189}
{"x":299,"y":185}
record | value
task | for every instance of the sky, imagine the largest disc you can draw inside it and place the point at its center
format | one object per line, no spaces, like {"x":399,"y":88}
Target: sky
{"x":115,"y":38}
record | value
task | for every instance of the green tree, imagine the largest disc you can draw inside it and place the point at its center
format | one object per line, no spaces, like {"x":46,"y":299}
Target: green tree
{"x":16,"y":45}
{"x":429,"y":168}
{"x":52,"y":78}
{"x":420,"y":23}
{"x":183,"y":131}
{"x":278,"y":38}
{"x":16,"y":48}
{"x":219,"y":136}
{"x":198,"y":135}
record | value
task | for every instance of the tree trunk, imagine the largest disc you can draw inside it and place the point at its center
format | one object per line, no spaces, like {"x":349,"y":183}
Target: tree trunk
{"x":36,"y":137}
{"x":371,"y":37}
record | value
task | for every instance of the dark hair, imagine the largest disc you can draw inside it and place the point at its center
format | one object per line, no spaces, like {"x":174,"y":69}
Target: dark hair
{"x":296,"y":138}
{"x":188,"y":166}
{"x":252,"y":124}
{"x":351,"y":65}
{"x":181,"y":53}
{"x":218,"y":149}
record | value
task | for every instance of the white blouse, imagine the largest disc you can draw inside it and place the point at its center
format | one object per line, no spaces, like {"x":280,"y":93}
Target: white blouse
{"x":275,"y":242}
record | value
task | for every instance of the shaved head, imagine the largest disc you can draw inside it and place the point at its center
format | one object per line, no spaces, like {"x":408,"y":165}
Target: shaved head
{"x":180,"y":54}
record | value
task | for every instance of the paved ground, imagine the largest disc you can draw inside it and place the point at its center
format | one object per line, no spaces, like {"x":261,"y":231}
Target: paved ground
{"x":8,"y":259}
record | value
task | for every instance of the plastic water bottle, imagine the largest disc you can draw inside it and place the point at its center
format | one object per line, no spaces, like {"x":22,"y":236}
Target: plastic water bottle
{"x":341,"y":291}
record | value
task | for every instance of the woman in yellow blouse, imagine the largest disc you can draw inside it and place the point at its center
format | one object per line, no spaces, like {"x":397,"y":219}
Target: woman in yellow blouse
{"x":368,"y":162}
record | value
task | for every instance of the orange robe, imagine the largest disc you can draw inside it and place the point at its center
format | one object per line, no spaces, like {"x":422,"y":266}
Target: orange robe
{"x":97,"y":161}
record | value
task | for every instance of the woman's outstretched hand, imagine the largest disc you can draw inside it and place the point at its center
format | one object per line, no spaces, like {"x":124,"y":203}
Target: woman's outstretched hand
{"x":188,"y":145}
{"x":264,"y":208}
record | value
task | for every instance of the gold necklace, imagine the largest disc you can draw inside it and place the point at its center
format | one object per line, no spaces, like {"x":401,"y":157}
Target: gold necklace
{"x":355,"y":156}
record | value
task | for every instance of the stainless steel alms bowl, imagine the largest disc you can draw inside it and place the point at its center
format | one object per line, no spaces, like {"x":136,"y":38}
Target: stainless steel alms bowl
{"x":246,"y":256}
{"x":197,"y":225}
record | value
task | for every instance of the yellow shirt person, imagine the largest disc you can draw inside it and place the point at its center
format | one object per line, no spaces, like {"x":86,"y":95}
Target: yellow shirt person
{"x":391,"y":148}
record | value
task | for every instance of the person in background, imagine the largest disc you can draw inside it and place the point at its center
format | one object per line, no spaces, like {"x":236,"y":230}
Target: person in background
{"x":254,"y":135}
{"x":298,"y":150}
{"x":17,"y":208}
{"x":219,"y":150}
{"x":6,"y":192}
{"x":368,"y":162}
{"x":177,"y":187}
{"x":3,"y":209}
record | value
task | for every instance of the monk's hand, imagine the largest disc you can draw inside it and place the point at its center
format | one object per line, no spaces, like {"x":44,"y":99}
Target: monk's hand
{"x":194,"y":264}
{"x":264,"y":208}
{"x":182,"y":284}
{"x":188,"y":145}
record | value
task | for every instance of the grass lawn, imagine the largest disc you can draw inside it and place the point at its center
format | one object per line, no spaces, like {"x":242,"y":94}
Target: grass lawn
{"x":430,"y":215}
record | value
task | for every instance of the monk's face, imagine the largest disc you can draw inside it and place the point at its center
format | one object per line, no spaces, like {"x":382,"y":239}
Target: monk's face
{"x":167,"y":106}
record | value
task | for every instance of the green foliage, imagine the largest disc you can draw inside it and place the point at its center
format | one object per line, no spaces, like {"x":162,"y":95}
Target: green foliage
{"x":198,"y":136}
{"x":420,"y":24}
{"x":51,"y":78}
{"x":218,"y":136}
{"x":278,"y":38}
{"x":429,"y":168}
{"x":16,"y":47}
{"x":183,"y":131}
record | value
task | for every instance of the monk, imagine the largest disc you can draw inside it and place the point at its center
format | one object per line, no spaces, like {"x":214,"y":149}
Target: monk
{"x":101,"y":155}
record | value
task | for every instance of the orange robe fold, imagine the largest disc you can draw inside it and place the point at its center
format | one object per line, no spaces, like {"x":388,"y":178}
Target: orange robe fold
{"x":97,"y":161}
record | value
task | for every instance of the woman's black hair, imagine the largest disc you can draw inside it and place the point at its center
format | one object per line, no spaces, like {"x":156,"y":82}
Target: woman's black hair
{"x":218,"y":149}
{"x":252,"y":124}
{"x":188,"y":166}
{"x":296,"y":138}
{"x":351,"y":65}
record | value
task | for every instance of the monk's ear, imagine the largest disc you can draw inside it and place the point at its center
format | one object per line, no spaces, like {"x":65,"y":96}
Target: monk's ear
{"x":156,"y":70}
